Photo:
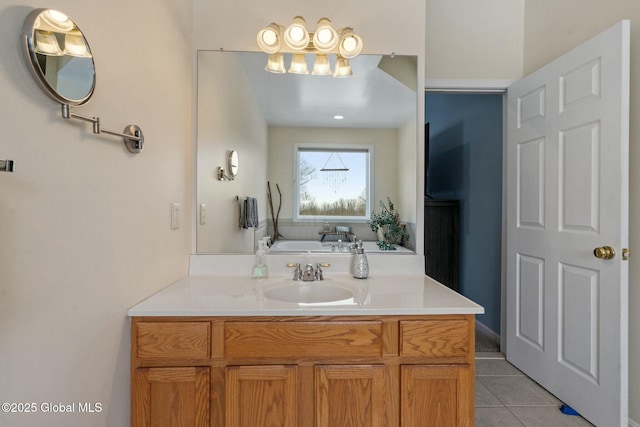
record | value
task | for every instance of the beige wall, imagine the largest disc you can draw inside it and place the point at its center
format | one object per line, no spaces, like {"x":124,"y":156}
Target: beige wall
{"x":471,"y":39}
{"x":281,"y":158}
{"x":407,"y":180}
{"x":553,"y":27}
{"x":85,"y":226}
{"x":228,"y":119}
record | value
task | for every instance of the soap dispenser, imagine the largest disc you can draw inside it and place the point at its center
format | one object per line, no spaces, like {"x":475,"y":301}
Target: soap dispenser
{"x":360,"y":265}
{"x":260,"y":270}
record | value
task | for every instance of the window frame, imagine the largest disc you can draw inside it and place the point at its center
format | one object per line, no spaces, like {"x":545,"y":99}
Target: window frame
{"x":329,"y":148}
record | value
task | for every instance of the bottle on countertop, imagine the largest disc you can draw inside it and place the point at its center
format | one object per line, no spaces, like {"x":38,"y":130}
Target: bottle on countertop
{"x":260,"y":269}
{"x":360,"y":265}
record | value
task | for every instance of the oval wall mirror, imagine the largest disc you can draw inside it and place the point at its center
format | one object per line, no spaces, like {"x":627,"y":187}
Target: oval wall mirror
{"x":59,"y":56}
{"x":232,"y":163}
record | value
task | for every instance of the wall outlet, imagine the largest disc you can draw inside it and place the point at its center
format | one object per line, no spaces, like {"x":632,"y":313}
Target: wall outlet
{"x":175,"y":216}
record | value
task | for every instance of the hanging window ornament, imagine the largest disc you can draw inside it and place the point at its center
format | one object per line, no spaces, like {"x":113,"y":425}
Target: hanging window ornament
{"x":335,"y":175}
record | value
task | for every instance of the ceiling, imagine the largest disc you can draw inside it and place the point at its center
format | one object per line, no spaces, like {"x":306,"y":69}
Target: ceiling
{"x":371,"y":97}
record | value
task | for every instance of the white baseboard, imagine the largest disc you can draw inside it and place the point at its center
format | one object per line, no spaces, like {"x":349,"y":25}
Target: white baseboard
{"x":633,"y":423}
{"x":484,"y":329}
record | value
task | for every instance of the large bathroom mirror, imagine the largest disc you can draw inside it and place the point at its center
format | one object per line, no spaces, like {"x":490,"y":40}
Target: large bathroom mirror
{"x":59,"y":56}
{"x":277,"y":123}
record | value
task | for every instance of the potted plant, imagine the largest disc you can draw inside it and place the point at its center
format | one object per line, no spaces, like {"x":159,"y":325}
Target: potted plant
{"x":388,"y":227}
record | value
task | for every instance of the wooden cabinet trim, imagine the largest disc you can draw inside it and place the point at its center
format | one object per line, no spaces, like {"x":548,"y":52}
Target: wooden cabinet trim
{"x":341,"y":388}
{"x":173,"y":340}
{"x":266,"y":393}
{"x":451,"y":394}
{"x":302,"y":339}
{"x":435,"y":338}
{"x":151,"y":409}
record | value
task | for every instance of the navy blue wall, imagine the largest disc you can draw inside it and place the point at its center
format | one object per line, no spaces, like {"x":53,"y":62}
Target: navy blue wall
{"x":465,"y":163}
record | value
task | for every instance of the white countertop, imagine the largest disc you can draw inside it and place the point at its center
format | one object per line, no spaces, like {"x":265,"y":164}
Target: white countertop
{"x":219,"y":295}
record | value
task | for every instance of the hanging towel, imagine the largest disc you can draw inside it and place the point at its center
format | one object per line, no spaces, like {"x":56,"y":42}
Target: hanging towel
{"x":249,"y":216}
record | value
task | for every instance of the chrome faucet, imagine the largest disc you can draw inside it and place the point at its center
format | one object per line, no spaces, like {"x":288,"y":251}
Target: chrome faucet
{"x":319,"y":275}
{"x":308,"y":275}
{"x":297,"y":273}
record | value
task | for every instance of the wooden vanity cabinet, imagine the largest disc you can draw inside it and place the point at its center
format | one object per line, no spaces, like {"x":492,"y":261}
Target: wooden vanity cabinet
{"x":325,"y":371}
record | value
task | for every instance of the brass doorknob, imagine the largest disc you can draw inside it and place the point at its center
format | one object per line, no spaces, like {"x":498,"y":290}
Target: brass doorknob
{"x":604,"y":252}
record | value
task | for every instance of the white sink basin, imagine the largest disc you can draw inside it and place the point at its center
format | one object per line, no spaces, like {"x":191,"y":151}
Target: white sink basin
{"x":309,"y":292}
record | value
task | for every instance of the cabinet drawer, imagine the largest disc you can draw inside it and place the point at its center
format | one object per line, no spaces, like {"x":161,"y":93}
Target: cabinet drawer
{"x":302,"y":339}
{"x":173,"y":340}
{"x":435,"y":338}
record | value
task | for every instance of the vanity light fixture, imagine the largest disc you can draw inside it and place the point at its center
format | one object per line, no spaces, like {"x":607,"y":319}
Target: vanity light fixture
{"x":58,"y":21}
{"x":75,"y":45}
{"x":51,"y":27}
{"x":321,"y":66}
{"x":343,"y":68}
{"x":275,"y":39}
{"x":46,"y":43}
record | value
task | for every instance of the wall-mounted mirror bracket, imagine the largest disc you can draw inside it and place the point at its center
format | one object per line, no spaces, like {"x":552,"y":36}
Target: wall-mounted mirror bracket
{"x":132,"y":135}
{"x":222,"y":175}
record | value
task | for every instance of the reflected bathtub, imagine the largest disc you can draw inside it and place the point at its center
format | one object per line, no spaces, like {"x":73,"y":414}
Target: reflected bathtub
{"x":315,"y":246}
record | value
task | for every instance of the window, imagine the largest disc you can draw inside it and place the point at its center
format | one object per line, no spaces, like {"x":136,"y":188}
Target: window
{"x":334,"y":182}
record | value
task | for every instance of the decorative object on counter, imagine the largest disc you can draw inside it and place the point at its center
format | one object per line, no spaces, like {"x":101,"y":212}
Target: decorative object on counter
{"x":275,"y":40}
{"x":326,"y":227}
{"x":6,"y":165}
{"x":260,"y":269}
{"x":274,"y":217}
{"x":232,"y":167}
{"x":388,"y":227}
{"x":67,"y":75}
{"x":360,"y":264}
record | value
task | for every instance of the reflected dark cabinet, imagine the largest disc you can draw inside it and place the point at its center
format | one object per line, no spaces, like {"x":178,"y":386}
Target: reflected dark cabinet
{"x":441,"y":241}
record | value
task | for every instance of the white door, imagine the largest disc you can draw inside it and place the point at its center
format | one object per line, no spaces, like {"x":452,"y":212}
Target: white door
{"x":567,"y":194}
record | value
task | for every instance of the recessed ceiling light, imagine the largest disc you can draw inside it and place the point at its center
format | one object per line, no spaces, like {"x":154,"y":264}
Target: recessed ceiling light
{"x":338,"y":117}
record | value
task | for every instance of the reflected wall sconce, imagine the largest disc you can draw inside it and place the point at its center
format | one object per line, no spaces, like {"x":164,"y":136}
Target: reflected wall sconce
{"x":231,"y":172}
{"x":275,"y":40}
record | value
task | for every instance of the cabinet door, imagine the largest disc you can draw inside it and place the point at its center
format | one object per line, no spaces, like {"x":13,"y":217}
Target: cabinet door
{"x":171,"y":397}
{"x":261,"y":396}
{"x":437,"y":396}
{"x":350,"y":395}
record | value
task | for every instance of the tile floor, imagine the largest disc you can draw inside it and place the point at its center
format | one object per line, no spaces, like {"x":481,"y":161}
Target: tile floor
{"x":505,"y":397}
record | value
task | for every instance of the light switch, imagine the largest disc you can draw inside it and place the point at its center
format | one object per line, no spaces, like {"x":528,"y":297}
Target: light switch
{"x":203,"y":213}
{"x":175,"y":216}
